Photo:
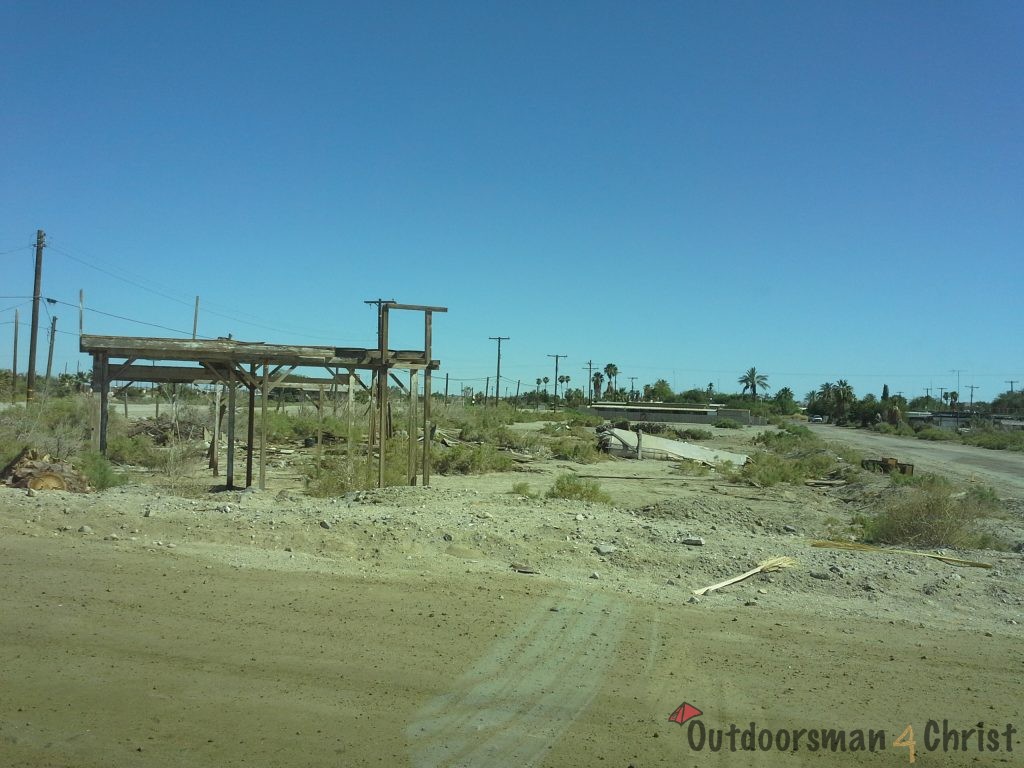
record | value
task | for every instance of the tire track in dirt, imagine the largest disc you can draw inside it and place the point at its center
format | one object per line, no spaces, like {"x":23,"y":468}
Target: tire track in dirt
{"x":518,"y":698}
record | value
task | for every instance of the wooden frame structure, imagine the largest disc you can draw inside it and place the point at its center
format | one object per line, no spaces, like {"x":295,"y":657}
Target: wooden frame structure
{"x":261,"y":367}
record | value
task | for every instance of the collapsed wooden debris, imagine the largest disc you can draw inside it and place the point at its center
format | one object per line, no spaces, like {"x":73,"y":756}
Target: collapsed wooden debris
{"x":40,"y":472}
{"x":162,"y":429}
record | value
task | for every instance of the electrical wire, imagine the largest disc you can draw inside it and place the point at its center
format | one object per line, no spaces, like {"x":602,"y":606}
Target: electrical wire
{"x":187,"y":303}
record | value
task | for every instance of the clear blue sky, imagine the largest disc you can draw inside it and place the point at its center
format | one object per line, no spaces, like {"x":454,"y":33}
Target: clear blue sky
{"x":820,"y":190}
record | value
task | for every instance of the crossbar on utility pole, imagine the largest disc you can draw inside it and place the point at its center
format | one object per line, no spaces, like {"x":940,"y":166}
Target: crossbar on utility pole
{"x":1011,"y":382}
{"x":556,"y":378}
{"x":497,"y":380}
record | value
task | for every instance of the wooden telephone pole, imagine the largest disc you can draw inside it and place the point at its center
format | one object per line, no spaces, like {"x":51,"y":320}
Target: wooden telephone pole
{"x":30,"y":377}
{"x":497,"y":379}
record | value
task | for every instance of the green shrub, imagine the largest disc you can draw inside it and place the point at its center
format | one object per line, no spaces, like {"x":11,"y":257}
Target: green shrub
{"x":728,"y":424}
{"x":934,"y":433}
{"x":577,"y":489}
{"x":927,"y":516}
{"x":139,"y":451}
{"x":523,"y":489}
{"x":996,"y":439}
{"x":573,"y":449}
{"x":99,"y":471}
{"x":470,"y":459}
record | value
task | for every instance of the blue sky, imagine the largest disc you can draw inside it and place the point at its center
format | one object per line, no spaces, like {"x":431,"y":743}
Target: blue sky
{"x":820,"y":190}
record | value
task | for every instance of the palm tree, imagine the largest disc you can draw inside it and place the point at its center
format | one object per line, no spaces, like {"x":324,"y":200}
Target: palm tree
{"x":612,"y":372}
{"x":752,"y":380}
{"x":842,"y":398}
{"x":545,"y":380}
{"x":598,"y":381}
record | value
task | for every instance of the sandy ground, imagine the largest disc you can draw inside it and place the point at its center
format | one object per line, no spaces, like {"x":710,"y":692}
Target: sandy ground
{"x":388,"y":628}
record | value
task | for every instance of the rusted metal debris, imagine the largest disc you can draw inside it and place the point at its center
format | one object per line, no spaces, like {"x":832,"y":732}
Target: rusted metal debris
{"x":40,"y":472}
{"x":888,"y":465}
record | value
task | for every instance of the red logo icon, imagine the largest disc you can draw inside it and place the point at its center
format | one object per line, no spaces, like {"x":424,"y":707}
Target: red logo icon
{"x":683,"y":713}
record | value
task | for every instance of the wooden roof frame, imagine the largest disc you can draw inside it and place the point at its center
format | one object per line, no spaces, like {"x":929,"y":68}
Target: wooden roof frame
{"x":259,"y":366}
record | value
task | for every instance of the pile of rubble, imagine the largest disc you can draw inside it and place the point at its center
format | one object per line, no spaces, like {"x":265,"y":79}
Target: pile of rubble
{"x":31,"y":469}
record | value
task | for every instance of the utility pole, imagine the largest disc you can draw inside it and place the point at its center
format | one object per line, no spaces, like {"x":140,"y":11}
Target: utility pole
{"x":556,"y":377}
{"x":14,"y":367}
{"x":30,"y":376}
{"x":631,"y":386}
{"x":972,"y":387}
{"x":49,"y":357}
{"x":195,"y":319}
{"x":942,"y":391}
{"x":957,"y":372}
{"x":1011,"y":382}
{"x":497,"y":379}
{"x":590,"y":381}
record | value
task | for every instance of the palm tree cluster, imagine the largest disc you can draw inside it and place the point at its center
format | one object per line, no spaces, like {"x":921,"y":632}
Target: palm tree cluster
{"x":833,"y":400}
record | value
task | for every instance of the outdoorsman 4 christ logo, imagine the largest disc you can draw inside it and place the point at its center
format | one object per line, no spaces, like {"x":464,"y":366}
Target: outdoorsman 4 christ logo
{"x":934,"y":736}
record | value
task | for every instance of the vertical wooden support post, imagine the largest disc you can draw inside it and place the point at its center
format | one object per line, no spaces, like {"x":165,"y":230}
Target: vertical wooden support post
{"x":639,"y":444}
{"x":126,"y":402}
{"x":14,"y":367}
{"x":100,"y":370}
{"x":263,"y":425}
{"x":428,"y":319}
{"x":215,"y":454}
{"x":231,"y":427}
{"x":382,"y":385}
{"x":251,"y":431}
{"x":320,"y":431}
{"x":349,"y":407}
{"x":413,"y":387}
{"x":334,"y":392}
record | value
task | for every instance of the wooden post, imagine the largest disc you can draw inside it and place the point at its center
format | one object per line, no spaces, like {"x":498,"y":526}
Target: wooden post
{"x":487,"y":389}
{"x":14,"y":367}
{"x":428,"y":319}
{"x":231,"y":427}
{"x":382,"y":385}
{"x":100,"y":362}
{"x":251,"y":432}
{"x":30,"y":374}
{"x":126,"y":402}
{"x":320,"y":431}
{"x":263,"y":425}
{"x":195,"y":319}
{"x":515,"y":403}
{"x":639,"y":444}
{"x":413,"y":384}
{"x":446,"y":390}
{"x":215,"y":450}
{"x":81,"y":312}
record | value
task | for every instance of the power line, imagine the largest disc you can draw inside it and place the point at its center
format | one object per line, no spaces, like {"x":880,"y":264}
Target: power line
{"x":189,"y":303}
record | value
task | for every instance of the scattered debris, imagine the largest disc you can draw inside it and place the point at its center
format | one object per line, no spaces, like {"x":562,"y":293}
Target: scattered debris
{"x":40,"y":472}
{"x":693,"y":541}
{"x":858,"y":547}
{"x":768,"y":566}
{"x":163,"y":429}
{"x":662,"y":448}
{"x":520,"y":568}
{"x":888,"y":465}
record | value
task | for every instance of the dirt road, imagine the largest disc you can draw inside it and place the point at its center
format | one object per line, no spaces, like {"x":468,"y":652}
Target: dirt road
{"x":1004,"y":470}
